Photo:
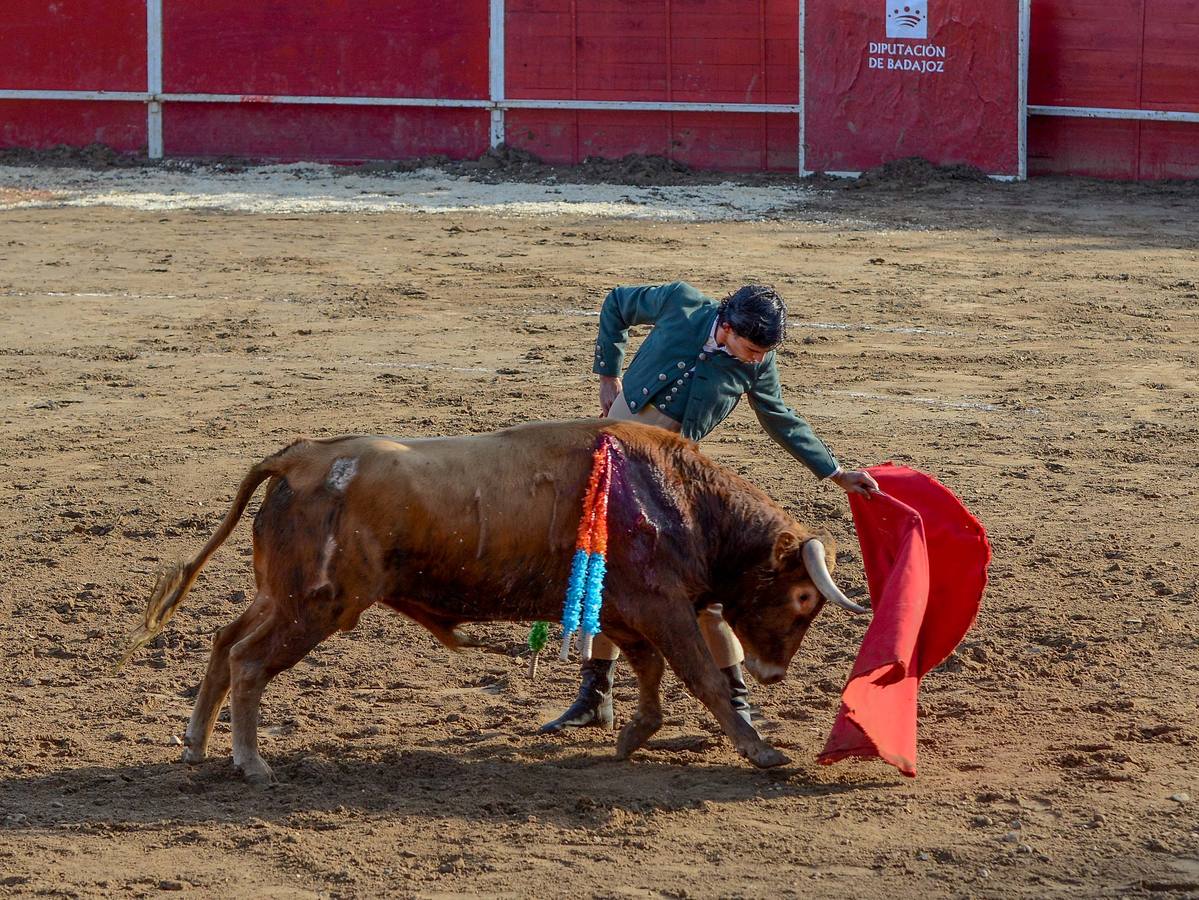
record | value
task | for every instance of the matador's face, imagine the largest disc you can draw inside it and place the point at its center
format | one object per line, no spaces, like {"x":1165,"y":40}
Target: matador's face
{"x":741,"y":348}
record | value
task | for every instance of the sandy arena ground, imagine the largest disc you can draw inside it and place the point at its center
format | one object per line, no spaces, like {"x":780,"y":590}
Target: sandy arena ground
{"x":1034,"y":346}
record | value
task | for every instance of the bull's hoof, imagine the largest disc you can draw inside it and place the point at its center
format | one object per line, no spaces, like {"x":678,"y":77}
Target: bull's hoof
{"x":257,"y":774}
{"x":634,"y":735}
{"x":192,"y":756}
{"x":461,"y":639}
{"x":766,"y":757}
{"x":261,"y":781}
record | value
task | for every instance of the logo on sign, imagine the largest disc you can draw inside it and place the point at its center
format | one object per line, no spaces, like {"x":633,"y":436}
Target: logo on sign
{"x":908,"y":19}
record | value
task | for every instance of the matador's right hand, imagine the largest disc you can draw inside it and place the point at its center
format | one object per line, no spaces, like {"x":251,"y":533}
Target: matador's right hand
{"x":610,"y":388}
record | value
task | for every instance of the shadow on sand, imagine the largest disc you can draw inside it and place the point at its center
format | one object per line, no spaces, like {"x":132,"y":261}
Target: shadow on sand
{"x":556,"y":784}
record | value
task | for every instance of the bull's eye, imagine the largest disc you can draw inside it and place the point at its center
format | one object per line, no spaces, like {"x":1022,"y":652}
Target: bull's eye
{"x":807,"y":600}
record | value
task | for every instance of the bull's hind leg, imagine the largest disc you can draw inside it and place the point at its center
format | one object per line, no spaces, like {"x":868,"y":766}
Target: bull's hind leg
{"x":282,"y":639}
{"x":215,"y":685}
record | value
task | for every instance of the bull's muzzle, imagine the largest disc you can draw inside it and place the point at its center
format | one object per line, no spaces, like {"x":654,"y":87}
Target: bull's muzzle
{"x":764,"y":673}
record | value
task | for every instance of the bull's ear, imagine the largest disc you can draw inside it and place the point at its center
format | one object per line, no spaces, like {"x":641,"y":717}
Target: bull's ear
{"x":787,"y":546}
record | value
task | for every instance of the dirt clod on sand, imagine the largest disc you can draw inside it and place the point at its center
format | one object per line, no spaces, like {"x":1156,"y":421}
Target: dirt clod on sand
{"x":93,"y":156}
{"x":635,"y":169}
{"x":507,"y":163}
{"x":912,"y":173}
{"x":498,"y":164}
{"x":1033,"y":346}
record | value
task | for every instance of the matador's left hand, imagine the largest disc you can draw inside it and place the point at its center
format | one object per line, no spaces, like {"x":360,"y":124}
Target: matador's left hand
{"x":856,"y":482}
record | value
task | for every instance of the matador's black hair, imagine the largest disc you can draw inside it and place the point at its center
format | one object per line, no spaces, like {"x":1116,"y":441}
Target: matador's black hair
{"x":756,"y":312}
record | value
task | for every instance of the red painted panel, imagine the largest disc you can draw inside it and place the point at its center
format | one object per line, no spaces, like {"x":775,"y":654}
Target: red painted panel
{"x":551,"y":135}
{"x":782,"y":83}
{"x":336,"y":133}
{"x":704,"y":52}
{"x":716,"y":52}
{"x":951,"y":95}
{"x":570,"y":136}
{"x":728,"y":141}
{"x":87,"y":46}
{"x":616,"y":134}
{"x":621,"y":68}
{"x":1101,"y":148}
{"x":628,"y":20}
{"x":782,"y":143}
{"x":538,"y":44}
{"x":1106,"y":53}
{"x":708,"y":51}
{"x":782,"y":51}
{"x":716,"y":21}
{"x":521,"y":8}
{"x":368,"y":48}
{"x":546,"y":75}
{"x":732,"y":142}
{"x":1115,"y":54}
{"x":39,"y":124}
{"x":730,"y":83}
{"x":1087,"y":24}
{"x":1171,"y":78}
{"x":1085,"y":53}
{"x":1086,"y":78}
{"x":1169,"y":150}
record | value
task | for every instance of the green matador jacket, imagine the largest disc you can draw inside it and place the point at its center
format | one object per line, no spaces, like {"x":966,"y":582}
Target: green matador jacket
{"x":711,"y":383}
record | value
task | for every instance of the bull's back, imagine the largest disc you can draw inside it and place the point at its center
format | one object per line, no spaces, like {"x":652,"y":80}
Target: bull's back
{"x":500,"y":495}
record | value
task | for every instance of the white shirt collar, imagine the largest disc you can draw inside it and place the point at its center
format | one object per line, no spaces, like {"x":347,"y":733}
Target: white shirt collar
{"x":710,"y":345}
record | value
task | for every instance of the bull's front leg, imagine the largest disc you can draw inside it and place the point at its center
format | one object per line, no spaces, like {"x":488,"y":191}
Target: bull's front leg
{"x":676,"y":635}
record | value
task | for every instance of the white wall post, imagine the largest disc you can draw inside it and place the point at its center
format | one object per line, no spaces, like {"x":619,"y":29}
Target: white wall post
{"x":154,"y":78}
{"x":1022,"y":115}
{"x":803,"y":100}
{"x":495,"y":71}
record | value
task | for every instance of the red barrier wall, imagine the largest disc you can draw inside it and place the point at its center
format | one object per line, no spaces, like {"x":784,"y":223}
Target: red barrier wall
{"x":331,"y":133}
{"x":1121,"y":54}
{"x":345,"y":48}
{"x":1128,"y":54}
{"x":41,"y":124}
{"x":73,"y":46}
{"x":941,"y":82}
{"x":325,"y":48}
{"x":710,"y":51}
{"x":97,"y":46}
{"x":731,"y":142}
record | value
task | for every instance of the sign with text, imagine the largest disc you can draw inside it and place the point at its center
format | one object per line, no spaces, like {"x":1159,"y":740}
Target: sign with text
{"x":941,"y":79}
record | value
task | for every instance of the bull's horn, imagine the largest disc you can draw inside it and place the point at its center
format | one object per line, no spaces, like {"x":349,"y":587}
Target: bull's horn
{"x":813,"y":557}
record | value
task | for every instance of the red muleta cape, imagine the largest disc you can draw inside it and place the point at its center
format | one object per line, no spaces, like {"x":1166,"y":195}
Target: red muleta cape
{"x":926,"y":561}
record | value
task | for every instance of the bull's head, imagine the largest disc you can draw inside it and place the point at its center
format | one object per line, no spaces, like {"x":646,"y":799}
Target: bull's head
{"x":781,"y":598}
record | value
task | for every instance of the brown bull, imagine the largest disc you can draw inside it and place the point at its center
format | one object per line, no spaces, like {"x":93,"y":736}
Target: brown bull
{"x":482,"y":528}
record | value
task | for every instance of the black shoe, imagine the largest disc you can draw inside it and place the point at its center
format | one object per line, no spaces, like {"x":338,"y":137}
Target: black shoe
{"x":739,"y":692}
{"x":593,"y":705}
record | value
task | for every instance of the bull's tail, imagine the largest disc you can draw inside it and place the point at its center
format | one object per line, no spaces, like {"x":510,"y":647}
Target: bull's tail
{"x":175,"y":581}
